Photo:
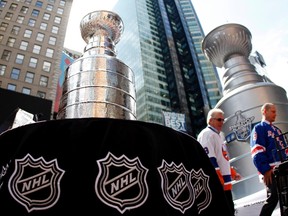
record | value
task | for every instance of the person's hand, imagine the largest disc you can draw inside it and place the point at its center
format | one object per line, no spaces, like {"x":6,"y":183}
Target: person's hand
{"x":234,"y":174}
{"x":237,"y":177}
{"x":267,"y":178}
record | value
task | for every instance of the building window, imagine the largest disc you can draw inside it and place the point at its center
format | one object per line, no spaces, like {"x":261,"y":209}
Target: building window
{"x":41,"y":94}
{"x":3,"y":26}
{"x":15,"y":73}
{"x":28,"y":1}
{"x":49,"y":7}
{"x":1,"y":37}
{"x":19,"y":59}
{"x":23,"y":45}
{"x":36,"y":49}
{"x":11,"y":87}
{"x":2,"y":69}
{"x":40,"y":37}
{"x":52,"y":40}
{"x":24,"y":10}
{"x":33,"y":62}
{"x":39,"y":4}
{"x":62,"y":3}
{"x":8,"y":16}
{"x":20,"y":19}
{"x":35,"y":13}
{"x":26,"y":91}
{"x":46,"y":66}
{"x":3,"y":4}
{"x":43,"y":81}
{"x":55,"y":29}
{"x":6,"y":55}
{"x":15,"y":30}
{"x":43,"y":26}
{"x":46,"y":16}
{"x":49,"y":52}
{"x":60,"y":11}
{"x":57,"y":20}
{"x":31,"y":22}
{"x":11,"y":42}
{"x":13,"y":7}
{"x":29,"y":78}
{"x":27,"y":33}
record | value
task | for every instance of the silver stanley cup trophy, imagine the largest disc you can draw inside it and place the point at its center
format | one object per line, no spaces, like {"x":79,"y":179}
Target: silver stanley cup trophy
{"x":244,"y":92}
{"x":98,"y":84}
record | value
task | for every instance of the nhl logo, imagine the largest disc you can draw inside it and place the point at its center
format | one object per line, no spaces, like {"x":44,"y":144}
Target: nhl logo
{"x":35,"y":183}
{"x":203,"y":193}
{"x":176,"y":186}
{"x":121,"y":182}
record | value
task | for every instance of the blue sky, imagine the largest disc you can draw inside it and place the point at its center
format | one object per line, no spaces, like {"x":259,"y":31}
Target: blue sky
{"x":267,"y":21}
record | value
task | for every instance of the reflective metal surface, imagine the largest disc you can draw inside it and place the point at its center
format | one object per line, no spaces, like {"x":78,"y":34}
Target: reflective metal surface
{"x":98,"y":84}
{"x":245,"y":91}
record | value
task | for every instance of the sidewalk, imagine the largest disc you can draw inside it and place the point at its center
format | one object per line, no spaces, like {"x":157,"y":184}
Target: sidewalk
{"x":252,"y":204}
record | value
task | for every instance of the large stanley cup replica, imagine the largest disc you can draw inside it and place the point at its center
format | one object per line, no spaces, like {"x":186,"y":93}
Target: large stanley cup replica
{"x":98,"y":84}
{"x":245,"y":91}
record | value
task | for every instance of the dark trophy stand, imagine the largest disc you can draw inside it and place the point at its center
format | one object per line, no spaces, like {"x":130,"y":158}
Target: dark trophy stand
{"x":96,"y":159}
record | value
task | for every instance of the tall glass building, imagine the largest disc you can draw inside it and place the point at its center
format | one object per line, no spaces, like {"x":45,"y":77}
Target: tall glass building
{"x":162,"y":44}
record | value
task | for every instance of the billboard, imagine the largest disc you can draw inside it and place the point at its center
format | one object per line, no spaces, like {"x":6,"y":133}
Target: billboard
{"x":175,"y":121}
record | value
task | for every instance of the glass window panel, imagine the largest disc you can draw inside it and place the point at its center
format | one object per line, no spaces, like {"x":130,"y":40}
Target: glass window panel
{"x":23,"y":45}
{"x":57,"y":20}
{"x":29,"y":78}
{"x":20,"y":19}
{"x":26,"y":91}
{"x":8,"y":16}
{"x":49,"y":52}
{"x":11,"y":42}
{"x":35,"y":13}
{"x":2,"y":69}
{"x":27,"y":33}
{"x":33,"y":62}
{"x":46,"y":66}
{"x":32,"y":22}
{"x":55,"y":29}
{"x":15,"y":30}
{"x":3,"y":26}
{"x":15,"y":73}
{"x":43,"y":81}
{"x":6,"y":55}
{"x":43,"y":26}
{"x":52,"y":40}
{"x":24,"y":10}
{"x":19,"y":59}
{"x":11,"y":87}
{"x":41,"y":94}
{"x":40,"y":37}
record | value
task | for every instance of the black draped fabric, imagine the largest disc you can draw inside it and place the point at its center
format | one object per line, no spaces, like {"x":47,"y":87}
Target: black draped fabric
{"x":100,"y":166}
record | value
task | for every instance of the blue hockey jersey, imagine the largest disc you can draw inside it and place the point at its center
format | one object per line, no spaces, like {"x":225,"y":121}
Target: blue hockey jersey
{"x":268,"y":149}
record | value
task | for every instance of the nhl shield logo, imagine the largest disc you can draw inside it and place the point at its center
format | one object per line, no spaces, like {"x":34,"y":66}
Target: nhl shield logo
{"x":203,"y":193}
{"x":176,"y":186}
{"x":35,"y":183}
{"x":121,"y":182}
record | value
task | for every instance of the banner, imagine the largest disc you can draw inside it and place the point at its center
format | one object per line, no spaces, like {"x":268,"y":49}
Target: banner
{"x":175,"y":121}
{"x":105,"y":167}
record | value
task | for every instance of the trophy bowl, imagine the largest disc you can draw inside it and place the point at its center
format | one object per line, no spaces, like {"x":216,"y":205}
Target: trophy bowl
{"x":227,"y":41}
{"x":102,"y":23}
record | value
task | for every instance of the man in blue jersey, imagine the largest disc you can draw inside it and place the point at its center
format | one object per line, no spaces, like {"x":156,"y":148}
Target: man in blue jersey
{"x":265,"y":155}
{"x":213,"y":143}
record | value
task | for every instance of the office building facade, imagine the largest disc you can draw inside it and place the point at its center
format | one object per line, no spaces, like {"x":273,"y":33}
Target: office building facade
{"x":162,"y":44}
{"x":32,"y":34}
